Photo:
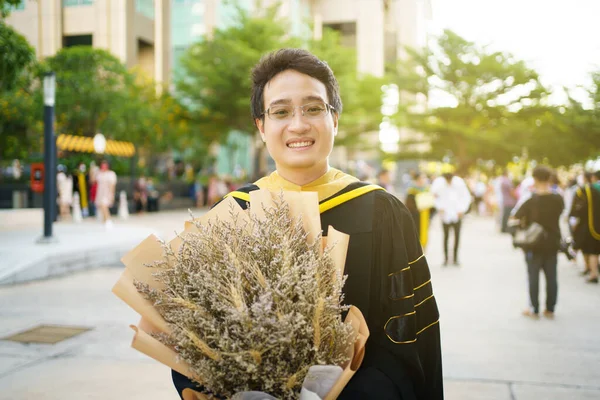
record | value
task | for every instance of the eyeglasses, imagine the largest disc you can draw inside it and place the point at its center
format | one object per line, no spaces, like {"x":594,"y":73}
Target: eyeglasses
{"x":285,"y":112}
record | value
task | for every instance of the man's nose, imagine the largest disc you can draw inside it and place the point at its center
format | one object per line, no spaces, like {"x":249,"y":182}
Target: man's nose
{"x":298,"y":122}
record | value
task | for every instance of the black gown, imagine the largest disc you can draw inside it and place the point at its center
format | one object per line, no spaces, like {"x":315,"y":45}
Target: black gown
{"x":586,"y":207}
{"x":390,"y":282}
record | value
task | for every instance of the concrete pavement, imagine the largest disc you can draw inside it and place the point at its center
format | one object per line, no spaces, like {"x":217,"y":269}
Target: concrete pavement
{"x":490,"y":350}
{"x":77,"y":247}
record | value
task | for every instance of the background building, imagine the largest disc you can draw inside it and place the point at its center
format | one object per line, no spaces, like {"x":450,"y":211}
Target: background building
{"x":135,"y":31}
{"x":154,"y":34}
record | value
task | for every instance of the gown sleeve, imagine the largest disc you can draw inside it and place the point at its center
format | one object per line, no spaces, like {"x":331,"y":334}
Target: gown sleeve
{"x":406,"y":330}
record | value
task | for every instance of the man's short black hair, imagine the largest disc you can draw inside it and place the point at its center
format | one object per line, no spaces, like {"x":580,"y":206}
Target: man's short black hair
{"x":298,"y":60}
{"x":541,"y":173}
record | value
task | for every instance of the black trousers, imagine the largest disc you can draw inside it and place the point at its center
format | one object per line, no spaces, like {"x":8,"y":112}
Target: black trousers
{"x":547,"y":262}
{"x":456,"y":227}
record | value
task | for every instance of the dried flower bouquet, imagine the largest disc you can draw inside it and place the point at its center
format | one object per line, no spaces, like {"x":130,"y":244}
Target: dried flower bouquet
{"x":248,"y":301}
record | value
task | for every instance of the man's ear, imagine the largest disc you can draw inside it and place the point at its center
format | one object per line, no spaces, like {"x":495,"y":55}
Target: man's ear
{"x":260,"y":124}
{"x":336,"y":117}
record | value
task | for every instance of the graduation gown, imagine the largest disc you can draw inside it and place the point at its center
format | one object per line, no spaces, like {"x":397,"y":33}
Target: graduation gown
{"x":586,"y":208}
{"x":421,"y":218}
{"x":388,"y":280}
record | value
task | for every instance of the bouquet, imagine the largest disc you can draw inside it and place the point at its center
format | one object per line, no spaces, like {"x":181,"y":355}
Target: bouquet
{"x":248,"y":303}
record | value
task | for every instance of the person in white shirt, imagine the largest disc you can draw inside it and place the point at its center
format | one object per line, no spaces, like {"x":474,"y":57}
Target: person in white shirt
{"x":64,"y":185}
{"x":452,"y":201}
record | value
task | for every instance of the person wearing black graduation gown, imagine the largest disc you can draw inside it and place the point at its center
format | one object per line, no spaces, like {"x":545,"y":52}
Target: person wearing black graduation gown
{"x":296,"y":106}
{"x":586,"y":208}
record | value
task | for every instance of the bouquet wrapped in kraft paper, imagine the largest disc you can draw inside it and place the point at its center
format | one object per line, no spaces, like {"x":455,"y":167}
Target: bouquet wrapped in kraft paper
{"x":248,"y":303}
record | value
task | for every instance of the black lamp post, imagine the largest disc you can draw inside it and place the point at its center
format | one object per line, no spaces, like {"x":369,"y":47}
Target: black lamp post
{"x":49,"y":157}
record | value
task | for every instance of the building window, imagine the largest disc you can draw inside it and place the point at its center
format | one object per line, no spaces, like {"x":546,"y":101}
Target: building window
{"x":347,"y":32}
{"x":71,"y":3}
{"x":17,"y":7}
{"x":145,"y":7}
{"x":77,"y":40}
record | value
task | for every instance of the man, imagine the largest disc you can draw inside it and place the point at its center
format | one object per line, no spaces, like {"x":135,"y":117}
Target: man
{"x":296,"y":106}
{"x":509,"y":199}
{"x":543,"y":207}
{"x":452,"y":201}
{"x":384,"y":180}
{"x":419,"y":202}
{"x":586,"y":232}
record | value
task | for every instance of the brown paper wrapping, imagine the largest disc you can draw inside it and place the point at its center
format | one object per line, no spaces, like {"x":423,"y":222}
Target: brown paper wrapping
{"x":357,"y":320}
{"x":339,"y":248}
{"x":144,"y":343}
{"x":303,"y":204}
{"x":126,"y":291}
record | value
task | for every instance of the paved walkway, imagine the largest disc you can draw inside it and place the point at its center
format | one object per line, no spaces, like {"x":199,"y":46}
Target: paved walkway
{"x":490,"y":350}
{"x":78,"y":246}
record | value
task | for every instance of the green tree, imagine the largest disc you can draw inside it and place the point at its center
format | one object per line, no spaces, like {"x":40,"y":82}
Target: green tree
{"x":96,"y":93}
{"x":361,"y":94}
{"x":7,"y":5}
{"x":215,"y":81}
{"x":16,"y":57}
{"x":216,"y":84}
{"x":484,"y":93}
{"x":92,"y":93}
{"x":17,"y":118}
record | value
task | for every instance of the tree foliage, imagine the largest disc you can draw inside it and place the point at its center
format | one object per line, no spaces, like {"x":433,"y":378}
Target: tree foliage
{"x":361,"y":94}
{"x":6,"y":7}
{"x":483,"y":104}
{"x":216,"y":76}
{"x":216,"y":73}
{"x":481,"y":91}
{"x":17,"y":67}
{"x":96,"y":93}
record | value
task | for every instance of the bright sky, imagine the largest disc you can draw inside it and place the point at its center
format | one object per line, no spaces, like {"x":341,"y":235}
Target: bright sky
{"x":558,"y":38}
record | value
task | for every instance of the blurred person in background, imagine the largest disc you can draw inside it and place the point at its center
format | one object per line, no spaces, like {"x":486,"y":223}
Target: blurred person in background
{"x":152,"y":196}
{"x":452,"y":201}
{"x":140,"y":195}
{"x":17,"y":170}
{"x":586,"y":232}
{"x":81,"y":185}
{"x":213,"y":190}
{"x":92,"y":173}
{"x":385,"y":181}
{"x":105,"y":192}
{"x":509,"y":199}
{"x":544,"y":207}
{"x":64,"y":185}
{"x":479,"y":190}
{"x":419,"y":202}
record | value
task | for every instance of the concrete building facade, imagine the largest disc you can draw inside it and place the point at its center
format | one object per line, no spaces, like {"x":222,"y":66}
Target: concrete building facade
{"x":135,"y":31}
{"x":378,"y":29}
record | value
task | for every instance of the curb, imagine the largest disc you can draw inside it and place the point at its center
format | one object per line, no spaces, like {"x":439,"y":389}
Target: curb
{"x":56,"y":265}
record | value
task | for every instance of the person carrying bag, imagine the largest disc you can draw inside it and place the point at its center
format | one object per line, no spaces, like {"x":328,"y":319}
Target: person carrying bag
{"x":540,"y":239}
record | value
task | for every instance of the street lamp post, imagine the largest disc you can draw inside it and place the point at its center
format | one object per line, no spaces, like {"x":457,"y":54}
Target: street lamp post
{"x":49,"y":156}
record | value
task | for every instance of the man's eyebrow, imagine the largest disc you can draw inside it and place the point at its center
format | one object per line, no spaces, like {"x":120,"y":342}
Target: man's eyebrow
{"x":280,"y":101}
{"x":313,"y":98}
{"x":304,"y":99}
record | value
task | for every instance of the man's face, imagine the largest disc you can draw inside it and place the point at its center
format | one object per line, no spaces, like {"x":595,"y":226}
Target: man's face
{"x":300,"y":143}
